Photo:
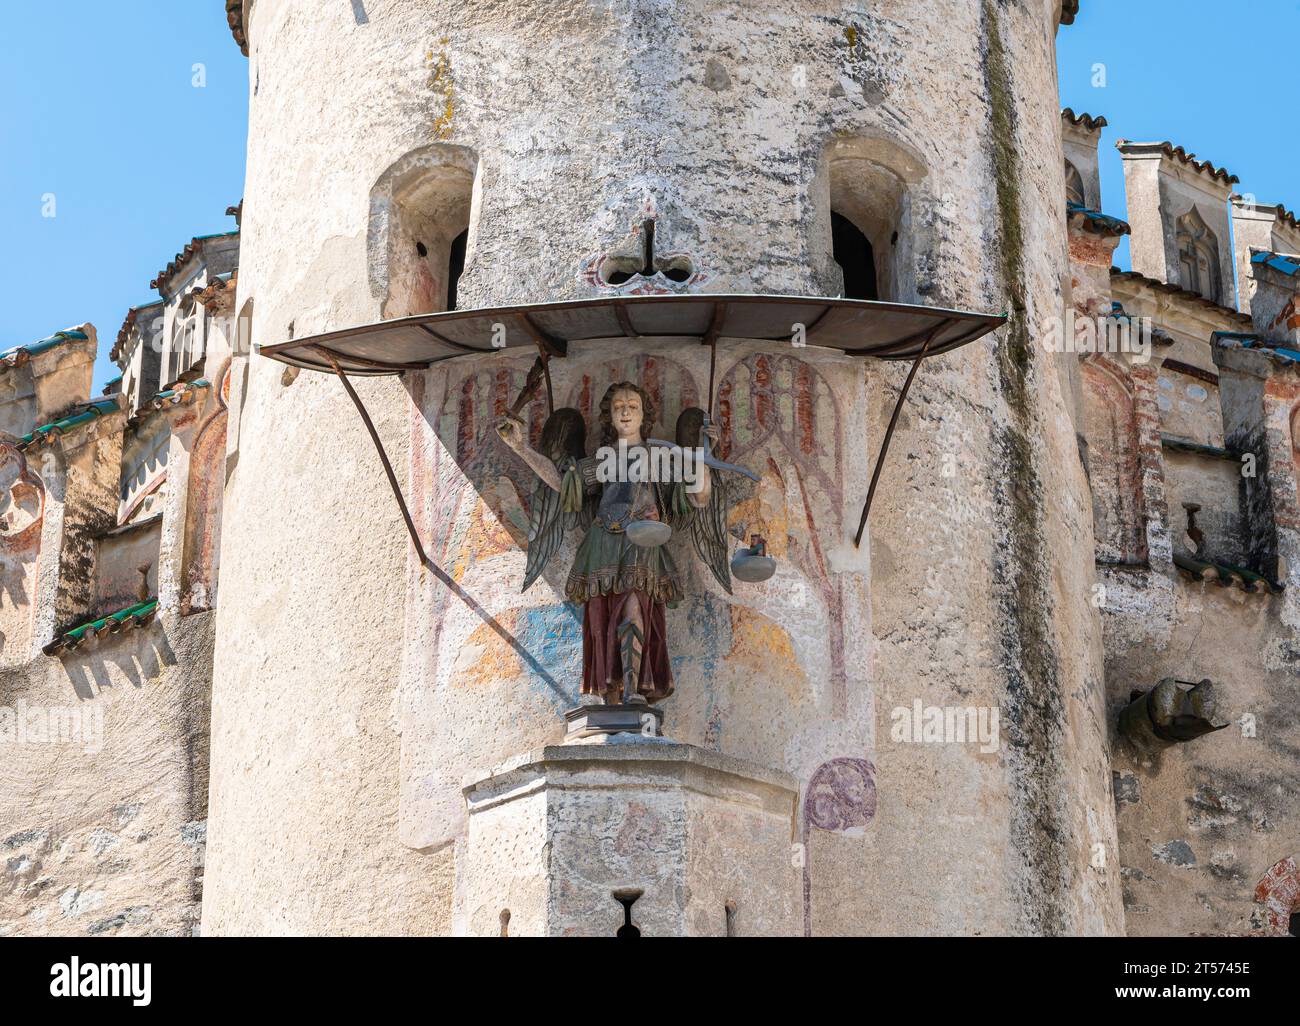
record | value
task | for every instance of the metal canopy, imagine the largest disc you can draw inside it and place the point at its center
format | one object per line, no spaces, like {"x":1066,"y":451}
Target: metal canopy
{"x":887,"y":331}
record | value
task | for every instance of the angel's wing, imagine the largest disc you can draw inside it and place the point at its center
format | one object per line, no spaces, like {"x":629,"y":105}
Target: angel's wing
{"x":564,"y":439}
{"x":709,"y":532}
{"x":708,"y":523}
{"x":545,"y":531}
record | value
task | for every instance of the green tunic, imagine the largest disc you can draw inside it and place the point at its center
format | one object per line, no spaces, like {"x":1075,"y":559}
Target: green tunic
{"x":608,"y":563}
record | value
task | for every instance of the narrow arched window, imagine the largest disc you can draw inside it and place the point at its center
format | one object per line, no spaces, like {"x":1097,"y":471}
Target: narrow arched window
{"x":1074,"y":191}
{"x":421,"y":219}
{"x":865,"y":190}
{"x":853,"y":252}
{"x":456,"y":266}
{"x":1198,"y":255}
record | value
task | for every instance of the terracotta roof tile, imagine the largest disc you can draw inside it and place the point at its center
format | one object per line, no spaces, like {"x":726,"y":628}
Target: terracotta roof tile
{"x":137,"y":615}
{"x":1280,"y":356}
{"x":1283,"y":214}
{"x":1182,"y":293}
{"x":1096,"y":222}
{"x":1282,"y":262}
{"x":88,"y":413}
{"x":219,"y":295}
{"x":179,"y":394}
{"x":19,"y":355}
{"x":1224,"y":574}
{"x":1182,"y":156}
{"x":193,"y":246}
{"x":124,"y":332}
{"x":1085,"y":120}
{"x":235,"y":19}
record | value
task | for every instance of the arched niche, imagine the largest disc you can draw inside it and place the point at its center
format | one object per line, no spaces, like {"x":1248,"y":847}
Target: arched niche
{"x":1074,"y":190}
{"x":203,"y":515}
{"x":420,"y":238}
{"x":864,"y":191}
{"x":1114,"y":471}
{"x":1198,"y":256}
{"x":242,"y":339}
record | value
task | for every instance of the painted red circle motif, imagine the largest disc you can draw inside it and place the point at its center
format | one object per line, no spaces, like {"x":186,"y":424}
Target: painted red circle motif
{"x":841,"y":795}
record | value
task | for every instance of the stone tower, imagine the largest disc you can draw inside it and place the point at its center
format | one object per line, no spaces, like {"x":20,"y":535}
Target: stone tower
{"x":430,"y":153}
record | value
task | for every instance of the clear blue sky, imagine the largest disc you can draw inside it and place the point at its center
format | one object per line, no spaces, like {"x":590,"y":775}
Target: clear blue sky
{"x":1216,"y":78}
{"x":100,"y":111}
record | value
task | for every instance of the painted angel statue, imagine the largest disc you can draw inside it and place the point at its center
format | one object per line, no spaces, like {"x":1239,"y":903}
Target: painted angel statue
{"x":624,"y":585}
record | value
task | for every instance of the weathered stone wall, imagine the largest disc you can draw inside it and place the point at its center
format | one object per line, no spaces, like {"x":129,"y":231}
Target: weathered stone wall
{"x":351,"y":693}
{"x":1201,"y":823}
{"x":43,"y":388}
{"x":118,"y":562}
{"x":1205,"y":827}
{"x":104,"y":785}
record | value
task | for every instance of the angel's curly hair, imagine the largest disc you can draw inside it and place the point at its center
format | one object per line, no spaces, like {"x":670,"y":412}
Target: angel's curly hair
{"x":608,"y":436}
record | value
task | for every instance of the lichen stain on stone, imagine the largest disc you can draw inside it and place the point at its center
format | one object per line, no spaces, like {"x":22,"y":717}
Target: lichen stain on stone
{"x":443,"y":87}
{"x":1034,"y":703}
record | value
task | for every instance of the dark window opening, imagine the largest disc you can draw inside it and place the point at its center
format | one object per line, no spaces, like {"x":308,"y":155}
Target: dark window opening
{"x":627,"y":896}
{"x":852,"y":251}
{"x":456,"y":266}
{"x":1294,"y":929}
{"x":422,"y":249}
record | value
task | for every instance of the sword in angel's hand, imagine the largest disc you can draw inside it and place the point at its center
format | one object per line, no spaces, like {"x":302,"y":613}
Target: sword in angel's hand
{"x":709,"y":459}
{"x":706,"y":443}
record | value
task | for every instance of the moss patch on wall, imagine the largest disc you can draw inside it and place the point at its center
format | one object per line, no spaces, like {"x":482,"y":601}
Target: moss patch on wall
{"x":1034,"y":708}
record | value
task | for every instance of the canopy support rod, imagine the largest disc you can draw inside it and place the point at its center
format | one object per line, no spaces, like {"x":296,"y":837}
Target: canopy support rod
{"x":546,"y":373}
{"x":437,"y":571}
{"x":383,"y":458}
{"x":711,"y":340}
{"x":889,"y":434}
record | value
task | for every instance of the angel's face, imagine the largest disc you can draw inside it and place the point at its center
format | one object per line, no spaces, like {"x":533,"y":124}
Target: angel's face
{"x":626,"y":414}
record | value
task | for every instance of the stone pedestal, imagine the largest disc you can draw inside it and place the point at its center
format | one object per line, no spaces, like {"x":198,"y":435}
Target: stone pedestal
{"x":591,"y":720}
{"x":561,"y":837}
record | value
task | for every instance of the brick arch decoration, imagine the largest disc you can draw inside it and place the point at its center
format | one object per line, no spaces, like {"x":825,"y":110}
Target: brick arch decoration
{"x":1114,"y":465}
{"x":1279,"y":893}
{"x":779,"y":415}
{"x":1295,"y":434}
{"x":207,"y":481}
{"x":670,"y":385}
